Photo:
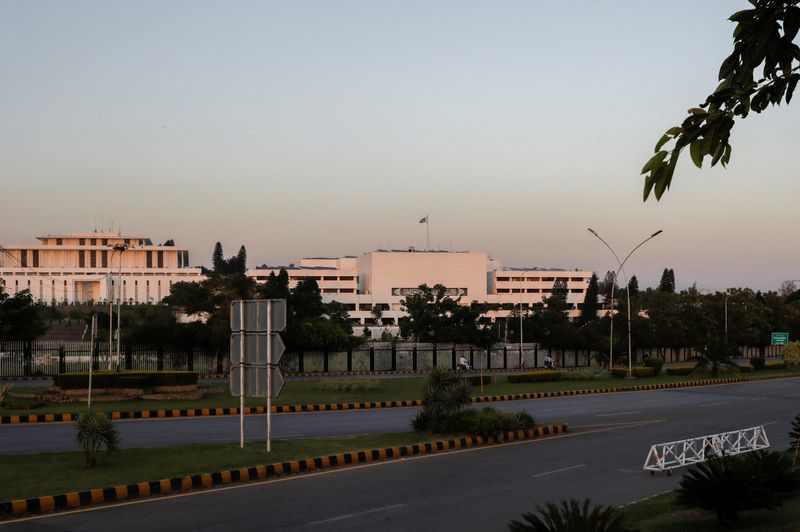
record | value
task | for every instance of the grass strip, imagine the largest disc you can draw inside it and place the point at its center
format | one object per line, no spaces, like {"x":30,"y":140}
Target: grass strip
{"x":659,"y":514}
{"x":310,"y":392}
{"x":33,"y":475}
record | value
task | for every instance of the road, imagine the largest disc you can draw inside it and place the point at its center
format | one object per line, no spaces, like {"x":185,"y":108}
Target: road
{"x":477,"y":489}
{"x":780,"y":396}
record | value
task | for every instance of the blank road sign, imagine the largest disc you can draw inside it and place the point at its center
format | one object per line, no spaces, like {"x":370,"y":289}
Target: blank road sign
{"x":255,"y":315}
{"x":255,"y":381}
{"x":255,"y":348}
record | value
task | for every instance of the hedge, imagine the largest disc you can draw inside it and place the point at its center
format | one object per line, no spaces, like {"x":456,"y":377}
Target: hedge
{"x":638,"y":371}
{"x":125,"y":379}
{"x":475,"y":380}
{"x":535,"y":376}
{"x":680,"y":370}
{"x":775,"y":365}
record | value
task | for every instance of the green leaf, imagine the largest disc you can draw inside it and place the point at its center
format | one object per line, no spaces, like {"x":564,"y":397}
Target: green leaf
{"x":648,"y":186}
{"x":654,"y":161}
{"x":696,"y":111}
{"x":791,"y":23}
{"x":727,"y":156}
{"x":718,"y":153}
{"x":664,"y":139}
{"x":742,"y":15}
{"x":792,"y":84}
{"x":696,"y":151}
{"x":674,"y":131}
{"x":662,"y":178}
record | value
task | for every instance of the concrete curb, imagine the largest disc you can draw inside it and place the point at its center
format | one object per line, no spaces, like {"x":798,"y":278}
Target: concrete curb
{"x":333,"y":407}
{"x":79,"y":499}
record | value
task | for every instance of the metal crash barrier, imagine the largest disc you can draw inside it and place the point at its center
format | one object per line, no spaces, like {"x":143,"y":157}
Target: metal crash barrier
{"x":671,"y":455}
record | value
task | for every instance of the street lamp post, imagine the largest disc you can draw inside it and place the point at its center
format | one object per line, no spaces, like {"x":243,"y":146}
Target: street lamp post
{"x":628,"y":291}
{"x":521,"y":281}
{"x":121,"y":248}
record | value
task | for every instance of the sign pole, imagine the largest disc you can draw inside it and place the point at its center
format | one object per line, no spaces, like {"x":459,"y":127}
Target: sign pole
{"x":269,"y":377}
{"x":241,"y":377}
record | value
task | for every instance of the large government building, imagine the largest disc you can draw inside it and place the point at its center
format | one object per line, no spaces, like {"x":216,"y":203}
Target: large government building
{"x":94,"y":268}
{"x":381,"y":279}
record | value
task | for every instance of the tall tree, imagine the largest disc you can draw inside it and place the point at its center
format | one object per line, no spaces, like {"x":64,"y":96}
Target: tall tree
{"x":605,"y":286}
{"x":590,"y":304}
{"x":667,"y":283}
{"x":217,"y":259}
{"x":633,"y":286}
{"x":763,"y":35}
{"x":239,"y":264}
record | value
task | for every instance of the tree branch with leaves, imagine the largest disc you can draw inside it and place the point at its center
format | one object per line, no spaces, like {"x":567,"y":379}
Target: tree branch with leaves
{"x":764,"y":35}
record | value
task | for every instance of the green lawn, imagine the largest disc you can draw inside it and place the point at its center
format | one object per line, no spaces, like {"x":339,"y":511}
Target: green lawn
{"x":658,"y":514}
{"x":387,"y":389}
{"x":31,"y":475}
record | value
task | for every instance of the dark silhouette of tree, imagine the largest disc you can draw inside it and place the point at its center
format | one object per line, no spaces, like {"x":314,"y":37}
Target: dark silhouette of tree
{"x":590,"y":305}
{"x":633,"y":286}
{"x":217,"y":259}
{"x":667,"y":283}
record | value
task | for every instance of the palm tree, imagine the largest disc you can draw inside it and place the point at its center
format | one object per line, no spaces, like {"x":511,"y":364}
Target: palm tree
{"x":571,"y":516}
{"x":716,"y":353}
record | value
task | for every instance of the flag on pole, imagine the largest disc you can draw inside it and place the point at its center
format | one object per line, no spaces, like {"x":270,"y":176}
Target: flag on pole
{"x":424,"y":220}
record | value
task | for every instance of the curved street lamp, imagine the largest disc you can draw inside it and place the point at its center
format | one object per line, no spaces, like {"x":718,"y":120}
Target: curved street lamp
{"x":628,"y":290}
{"x":121,"y":248}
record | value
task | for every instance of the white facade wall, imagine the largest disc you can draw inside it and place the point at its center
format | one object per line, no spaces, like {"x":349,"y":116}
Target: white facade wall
{"x":384,"y":278}
{"x":83,"y":267}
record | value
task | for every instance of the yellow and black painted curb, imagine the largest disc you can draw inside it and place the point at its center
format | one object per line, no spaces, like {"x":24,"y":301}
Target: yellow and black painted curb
{"x":639,"y":388}
{"x":334,"y":407}
{"x":78,"y":499}
{"x":28,"y":378}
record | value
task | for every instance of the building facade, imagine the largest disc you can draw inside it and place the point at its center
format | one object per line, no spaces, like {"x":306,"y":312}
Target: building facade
{"x":95,"y":267}
{"x":372,"y":285}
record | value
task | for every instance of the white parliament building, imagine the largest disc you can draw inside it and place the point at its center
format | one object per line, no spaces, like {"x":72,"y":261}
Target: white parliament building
{"x":94,"y":267}
{"x":381,"y":279}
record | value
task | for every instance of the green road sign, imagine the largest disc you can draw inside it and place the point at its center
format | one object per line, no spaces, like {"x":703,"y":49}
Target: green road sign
{"x":780,"y":338}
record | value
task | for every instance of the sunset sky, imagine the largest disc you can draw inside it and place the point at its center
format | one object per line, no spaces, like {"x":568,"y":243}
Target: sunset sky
{"x":329,"y":128}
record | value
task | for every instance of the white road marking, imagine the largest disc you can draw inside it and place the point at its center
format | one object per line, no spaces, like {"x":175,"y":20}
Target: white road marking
{"x":348,"y":516}
{"x":715,"y":404}
{"x":558,"y":470}
{"x":620,"y":413}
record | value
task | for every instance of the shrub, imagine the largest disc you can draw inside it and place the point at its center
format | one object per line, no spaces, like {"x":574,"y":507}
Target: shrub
{"x":475,"y":380}
{"x":535,"y":376}
{"x":775,"y":365}
{"x":794,"y":434}
{"x":125,"y":379}
{"x":355,"y":385}
{"x":585,"y":374}
{"x":96,"y":430}
{"x":680,"y":370}
{"x":638,"y":371}
{"x":445,"y":395}
{"x":655,"y":363}
{"x":490,"y":422}
{"x":758,"y":363}
{"x":747,"y":368}
{"x":791,"y":354}
{"x":571,"y":515}
{"x":729,"y":484}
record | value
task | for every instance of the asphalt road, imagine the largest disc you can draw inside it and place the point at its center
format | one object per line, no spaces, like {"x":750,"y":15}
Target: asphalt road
{"x":477,"y":489}
{"x":781,"y":397}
